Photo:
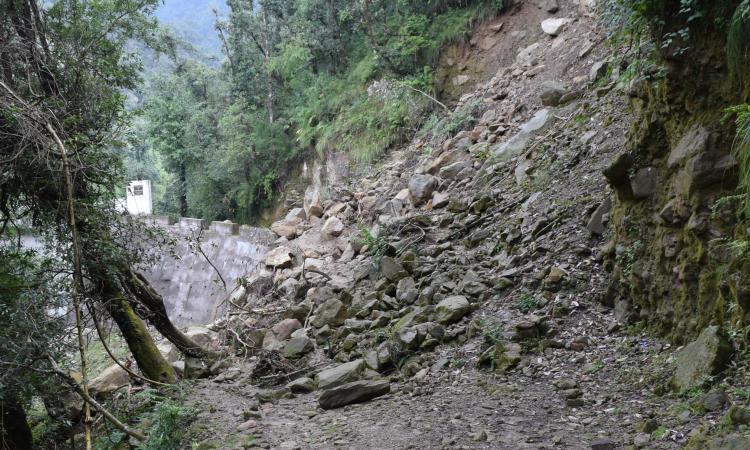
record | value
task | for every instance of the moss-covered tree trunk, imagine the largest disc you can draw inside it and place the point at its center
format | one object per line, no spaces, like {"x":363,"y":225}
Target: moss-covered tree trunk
{"x":139,"y":287}
{"x":15,"y":433}
{"x":150,"y":361}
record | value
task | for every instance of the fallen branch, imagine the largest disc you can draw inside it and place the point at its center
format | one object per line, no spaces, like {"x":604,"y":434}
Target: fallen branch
{"x":77,"y":288}
{"x":90,"y":401}
{"x":325,"y":275}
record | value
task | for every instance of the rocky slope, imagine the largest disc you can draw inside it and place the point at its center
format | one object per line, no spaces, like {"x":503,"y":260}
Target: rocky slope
{"x":459,"y":297}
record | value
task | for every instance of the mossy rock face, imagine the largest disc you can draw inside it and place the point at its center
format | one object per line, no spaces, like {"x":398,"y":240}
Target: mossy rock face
{"x":702,"y":358}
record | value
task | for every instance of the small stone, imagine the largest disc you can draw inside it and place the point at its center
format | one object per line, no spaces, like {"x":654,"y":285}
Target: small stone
{"x":556,"y":274}
{"x":285,"y":328}
{"x":440,"y":199}
{"x":480,"y":436}
{"x":641,"y":440}
{"x":247,"y":425}
{"x":332,"y":313}
{"x":298,"y":346}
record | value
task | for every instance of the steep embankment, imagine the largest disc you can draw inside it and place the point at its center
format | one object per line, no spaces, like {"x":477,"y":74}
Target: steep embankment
{"x":462,"y":283}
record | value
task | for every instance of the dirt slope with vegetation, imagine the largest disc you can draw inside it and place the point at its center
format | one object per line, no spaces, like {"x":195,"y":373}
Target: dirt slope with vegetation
{"x":465,"y":287}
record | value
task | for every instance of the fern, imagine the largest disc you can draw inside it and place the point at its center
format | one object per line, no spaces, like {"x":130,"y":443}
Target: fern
{"x":738,"y":42}
{"x":742,"y":152}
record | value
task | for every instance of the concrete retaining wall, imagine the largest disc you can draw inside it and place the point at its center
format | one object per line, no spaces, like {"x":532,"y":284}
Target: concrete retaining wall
{"x":191,"y":288}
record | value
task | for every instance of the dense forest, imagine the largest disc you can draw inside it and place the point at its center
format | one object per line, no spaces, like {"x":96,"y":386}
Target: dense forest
{"x":590,"y":290}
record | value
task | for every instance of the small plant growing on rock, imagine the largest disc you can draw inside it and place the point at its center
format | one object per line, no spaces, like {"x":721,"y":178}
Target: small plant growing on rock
{"x":376,"y":245}
{"x":492,"y":332}
{"x":593,"y":368}
{"x":527,"y":302}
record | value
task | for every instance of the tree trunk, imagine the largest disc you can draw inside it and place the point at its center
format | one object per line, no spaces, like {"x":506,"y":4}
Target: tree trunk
{"x":150,"y":361}
{"x":267,"y":64}
{"x":15,"y":433}
{"x":182,"y":191}
{"x":142,"y":291}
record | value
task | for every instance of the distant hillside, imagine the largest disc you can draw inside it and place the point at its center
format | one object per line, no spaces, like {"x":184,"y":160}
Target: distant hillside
{"x":194,"y":21}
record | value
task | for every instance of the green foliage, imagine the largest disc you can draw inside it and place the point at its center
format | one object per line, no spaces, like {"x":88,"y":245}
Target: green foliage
{"x":742,"y":152}
{"x":628,"y":257}
{"x":166,"y":433}
{"x":438,"y":129}
{"x":593,"y":368}
{"x":738,"y":43}
{"x":491,"y":332}
{"x":527,"y":303}
{"x":376,"y":245}
{"x":27,"y":332}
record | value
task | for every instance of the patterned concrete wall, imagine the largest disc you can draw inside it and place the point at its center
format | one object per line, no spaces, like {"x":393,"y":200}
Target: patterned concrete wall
{"x":191,"y":288}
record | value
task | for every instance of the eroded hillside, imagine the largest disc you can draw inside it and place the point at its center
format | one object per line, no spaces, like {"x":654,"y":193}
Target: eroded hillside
{"x":469,"y":286}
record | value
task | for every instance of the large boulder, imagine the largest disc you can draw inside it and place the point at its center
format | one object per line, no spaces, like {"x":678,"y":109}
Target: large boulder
{"x":203,"y":336}
{"x":319,"y":295}
{"x":298,"y":347}
{"x":391,"y":269}
{"x":341,"y":374}
{"x":279,"y":258}
{"x":313,"y":203}
{"x":552,"y":92}
{"x":695,"y":141}
{"x":421,"y":188}
{"x":702,"y":358}
{"x":406,"y":290}
{"x":284,"y":329}
{"x":554,"y":26}
{"x":282,"y":228}
{"x":452,"y":171}
{"x":332,"y":228}
{"x":355,"y":392}
{"x":301,"y":385}
{"x":452,"y":309}
{"x":644,"y":182}
{"x":168,"y":351}
{"x":332,"y":313}
{"x":111,"y":379}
